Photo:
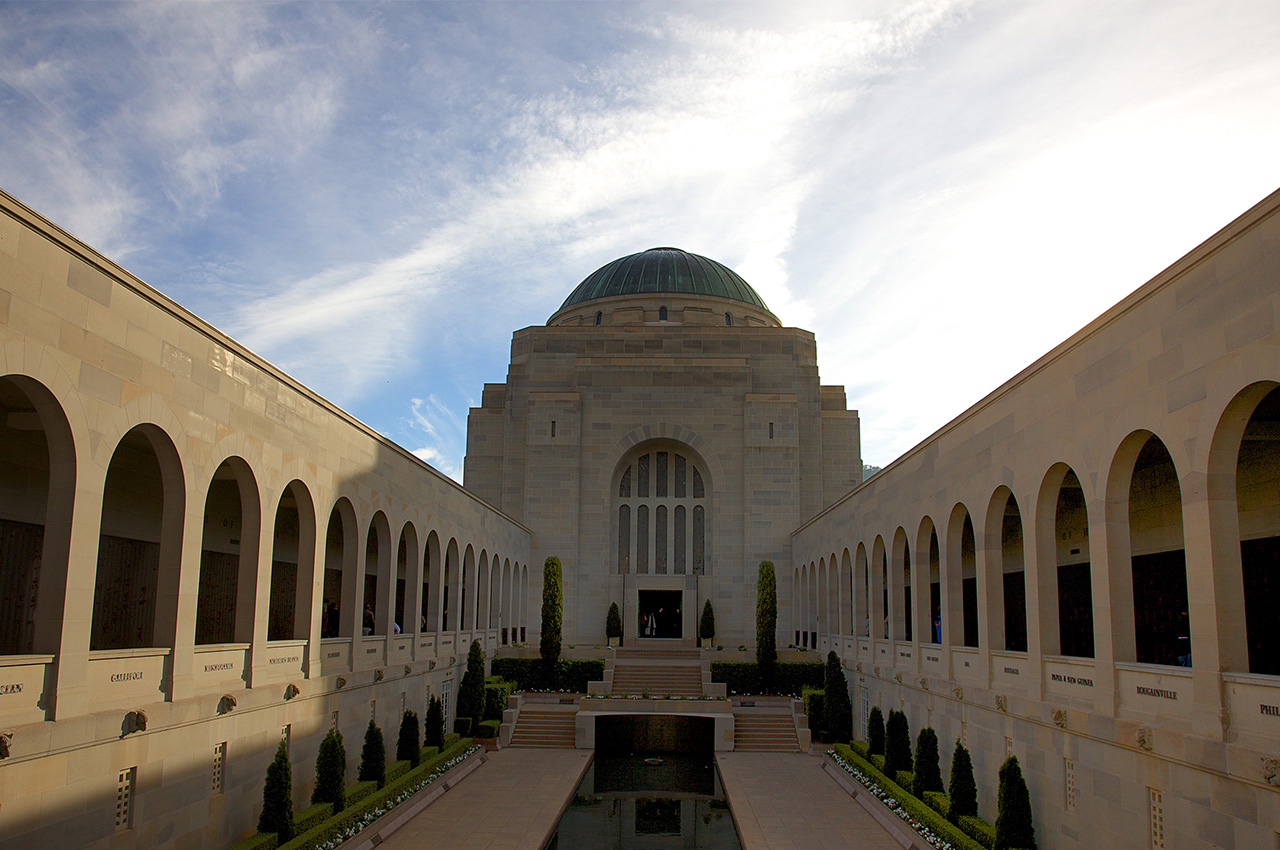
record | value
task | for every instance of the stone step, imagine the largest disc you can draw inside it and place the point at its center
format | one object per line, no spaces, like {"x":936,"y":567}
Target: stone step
{"x":760,"y":732}
{"x":544,"y":728}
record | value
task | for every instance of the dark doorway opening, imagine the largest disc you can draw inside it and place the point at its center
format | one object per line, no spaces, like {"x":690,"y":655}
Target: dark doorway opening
{"x":660,"y":614}
{"x":654,"y":733}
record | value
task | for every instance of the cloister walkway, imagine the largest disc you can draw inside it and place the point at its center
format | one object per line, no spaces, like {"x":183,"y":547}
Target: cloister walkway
{"x":780,"y":801}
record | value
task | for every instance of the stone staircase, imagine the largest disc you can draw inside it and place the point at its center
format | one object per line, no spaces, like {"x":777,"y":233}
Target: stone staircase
{"x":658,"y":673}
{"x":549,"y":726}
{"x":764,"y":729}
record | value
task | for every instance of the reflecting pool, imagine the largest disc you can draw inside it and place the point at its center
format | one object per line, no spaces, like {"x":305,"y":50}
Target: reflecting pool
{"x":630,"y":802}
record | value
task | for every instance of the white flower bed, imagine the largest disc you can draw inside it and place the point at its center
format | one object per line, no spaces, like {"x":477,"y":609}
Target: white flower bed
{"x":891,"y":803}
{"x":373,"y":814}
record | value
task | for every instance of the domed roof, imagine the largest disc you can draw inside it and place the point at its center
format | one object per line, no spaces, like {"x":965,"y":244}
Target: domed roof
{"x":664,"y":270}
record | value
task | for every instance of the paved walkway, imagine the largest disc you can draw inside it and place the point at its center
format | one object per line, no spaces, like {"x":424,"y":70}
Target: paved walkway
{"x":511,"y":802}
{"x":785,"y":801}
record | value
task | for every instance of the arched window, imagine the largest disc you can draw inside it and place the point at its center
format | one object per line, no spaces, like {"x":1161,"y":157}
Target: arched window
{"x":662,"y":314}
{"x":655,"y":489}
{"x":599,"y":318}
{"x":728,"y":319}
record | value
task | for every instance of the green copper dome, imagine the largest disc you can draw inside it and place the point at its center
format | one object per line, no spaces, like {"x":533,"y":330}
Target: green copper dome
{"x":664,"y":270}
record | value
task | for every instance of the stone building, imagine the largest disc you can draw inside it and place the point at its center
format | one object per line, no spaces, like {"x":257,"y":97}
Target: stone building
{"x":1080,"y":569}
{"x":662,"y":435}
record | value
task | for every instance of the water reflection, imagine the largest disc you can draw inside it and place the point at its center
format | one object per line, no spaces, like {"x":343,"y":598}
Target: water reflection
{"x":623,"y":803}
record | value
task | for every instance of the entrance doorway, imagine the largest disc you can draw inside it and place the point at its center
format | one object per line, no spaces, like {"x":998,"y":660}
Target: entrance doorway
{"x":660,"y":614}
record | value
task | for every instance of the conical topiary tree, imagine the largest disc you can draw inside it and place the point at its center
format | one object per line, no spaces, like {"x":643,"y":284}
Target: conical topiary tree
{"x":277,"y":797}
{"x":837,"y":710}
{"x":928,"y":774}
{"x":875,"y":732}
{"x":1014,"y":830}
{"x":613,"y":623}
{"x":434,"y":734}
{"x":962,"y":790}
{"x":471,"y":691}
{"x":766,"y":625}
{"x":407,"y":746}
{"x":707,"y":628}
{"x":373,"y":756}
{"x":897,"y":744}
{"x":331,"y":772}
{"x":552,"y":618}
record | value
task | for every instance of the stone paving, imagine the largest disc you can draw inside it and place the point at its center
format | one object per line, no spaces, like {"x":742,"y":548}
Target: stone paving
{"x":780,"y":801}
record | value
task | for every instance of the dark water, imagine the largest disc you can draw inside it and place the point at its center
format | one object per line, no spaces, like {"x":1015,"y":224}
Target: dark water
{"x":624,"y":804}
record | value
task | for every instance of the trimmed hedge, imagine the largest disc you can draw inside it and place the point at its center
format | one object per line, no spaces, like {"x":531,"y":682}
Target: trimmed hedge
{"x":357,"y":791}
{"x":789,"y":677}
{"x":977,"y":829}
{"x":312,"y":816}
{"x":917,"y":809}
{"x":572,"y":673}
{"x":495,"y":699}
{"x":396,"y":769}
{"x":426,"y":753}
{"x":813,"y":705}
{"x":354,"y":813}
{"x":939,"y":802}
{"x":258,"y":841}
{"x":450,"y":741}
{"x":487,"y":729}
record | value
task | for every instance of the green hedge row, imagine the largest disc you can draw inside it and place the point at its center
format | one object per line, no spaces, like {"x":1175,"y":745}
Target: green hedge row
{"x":487,"y":729}
{"x":495,"y":698}
{"x":352,"y":814}
{"x":917,"y":809}
{"x":572,"y":675}
{"x":259,"y":841}
{"x":978,"y":829}
{"x":790,"y":677}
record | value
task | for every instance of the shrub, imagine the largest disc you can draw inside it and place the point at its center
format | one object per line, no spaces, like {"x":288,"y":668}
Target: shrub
{"x":495,"y":699}
{"x":789,"y":677}
{"x":767,"y":625}
{"x":277,"y":797}
{"x":921,"y":812}
{"x":962,"y":790}
{"x":471,"y":691}
{"x":311,"y":817}
{"x":813,"y":704}
{"x":571,"y":674}
{"x":397,"y":768}
{"x":707,"y":628}
{"x":552,"y":614}
{"x":875,"y":732}
{"x":928,"y":774}
{"x":1013,"y":810}
{"x":613,"y":623}
{"x":938,"y":801}
{"x":977,"y":829}
{"x":408,"y":743}
{"x":837,"y":710}
{"x":897,"y":743}
{"x":462,"y":726}
{"x":451,"y":740}
{"x":427,"y":753}
{"x":373,"y":756}
{"x":487,"y":729}
{"x":331,"y":772}
{"x":359,"y":790}
{"x":257,"y":841}
{"x":434,"y":733}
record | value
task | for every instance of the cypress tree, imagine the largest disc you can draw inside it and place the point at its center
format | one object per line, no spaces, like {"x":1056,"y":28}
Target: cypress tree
{"x":707,"y":628}
{"x":471,"y":691}
{"x":875,"y":732}
{"x":766,"y":625}
{"x":837,"y":710}
{"x":552,"y":617}
{"x":331,"y":772}
{"x":1014,"y":830}
{"x":435,"y":724}
{"x":928,"y":774}
{"x":407,"y":746}
{"x":962,"y":790}
{"x":277,"y":797}
{"x":613,"y":623}
{"x":897,"y":744}
{"x":373,"y":756}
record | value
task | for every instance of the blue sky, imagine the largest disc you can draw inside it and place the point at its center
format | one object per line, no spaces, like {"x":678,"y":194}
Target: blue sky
{"x":374,"y":196}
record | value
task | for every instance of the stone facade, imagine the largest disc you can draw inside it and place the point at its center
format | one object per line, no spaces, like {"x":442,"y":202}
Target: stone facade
{"x":1095,"y":540}
{"x":739,"y":402}
{"x":175,"y":513}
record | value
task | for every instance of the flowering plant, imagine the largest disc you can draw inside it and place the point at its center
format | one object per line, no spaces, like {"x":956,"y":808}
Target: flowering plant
{"x":891,"y":803}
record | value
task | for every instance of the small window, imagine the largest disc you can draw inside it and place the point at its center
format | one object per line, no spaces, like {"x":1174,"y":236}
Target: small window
{"x":124,"y":798}
{"x":770,"y":430}
{"x":599,"y":319}
{"x":219,"y":759}
{"x":662,"y":314}
{"x":728,"y":319}
{"x":553,"y":427}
